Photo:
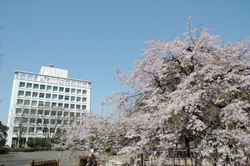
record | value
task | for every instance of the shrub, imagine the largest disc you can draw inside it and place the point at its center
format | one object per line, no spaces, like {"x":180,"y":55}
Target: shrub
{"x":29,"y":149}
{"x":58,"y":149}
{"x":4,"y":150}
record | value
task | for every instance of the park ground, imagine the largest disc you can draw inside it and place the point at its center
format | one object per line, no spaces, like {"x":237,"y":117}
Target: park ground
{"x":23,"y":158}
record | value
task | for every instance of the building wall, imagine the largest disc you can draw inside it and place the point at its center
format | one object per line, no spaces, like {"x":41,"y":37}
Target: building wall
{"x":46,"y":101}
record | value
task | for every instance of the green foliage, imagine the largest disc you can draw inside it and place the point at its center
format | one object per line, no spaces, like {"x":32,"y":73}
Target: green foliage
{"x":3,"y":134}
{"x":58,"y":149}
{"x":6,"y":146}
{"x":29,"y":149}
{"x":58,"y":135}
{"x":30,"y":142}
{"x":244,"y":96}
{"x":4,"y":150}
{"x":39,"y":142}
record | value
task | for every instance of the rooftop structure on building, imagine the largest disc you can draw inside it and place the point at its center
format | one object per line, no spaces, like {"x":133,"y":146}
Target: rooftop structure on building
{"x":42,"y":103}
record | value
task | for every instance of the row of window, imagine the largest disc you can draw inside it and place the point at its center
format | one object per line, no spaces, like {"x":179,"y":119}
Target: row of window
{"x":40,"y":121}
{"x":53,"y":96}
{"x":49,"y":104}
{"x":52,"y":88}
{"x":47,"y":113}
{"x":39,"y":130}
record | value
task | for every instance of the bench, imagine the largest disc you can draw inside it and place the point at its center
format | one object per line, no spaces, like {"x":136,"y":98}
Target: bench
{"x":45,"y":163}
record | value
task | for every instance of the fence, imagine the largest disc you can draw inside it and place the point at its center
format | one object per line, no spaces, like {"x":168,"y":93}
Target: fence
{"x":85,"y":160}
{"x":176,"y":158}
{"x":88,"y":161}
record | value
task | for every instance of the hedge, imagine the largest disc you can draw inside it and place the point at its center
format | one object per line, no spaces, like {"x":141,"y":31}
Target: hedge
{"x":4,"y":150}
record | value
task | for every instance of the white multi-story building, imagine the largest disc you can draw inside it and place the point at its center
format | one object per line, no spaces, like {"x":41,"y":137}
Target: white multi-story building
{"x":42,"y":103}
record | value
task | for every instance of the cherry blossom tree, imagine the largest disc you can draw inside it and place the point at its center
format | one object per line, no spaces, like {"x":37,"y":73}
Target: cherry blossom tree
{"x":192,"y":90}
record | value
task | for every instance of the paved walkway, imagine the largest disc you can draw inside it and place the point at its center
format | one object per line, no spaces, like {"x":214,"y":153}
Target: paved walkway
{"x":23,"y":158}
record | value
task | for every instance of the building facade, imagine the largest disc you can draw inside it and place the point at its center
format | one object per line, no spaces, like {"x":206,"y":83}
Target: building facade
{"x":42,"y":103}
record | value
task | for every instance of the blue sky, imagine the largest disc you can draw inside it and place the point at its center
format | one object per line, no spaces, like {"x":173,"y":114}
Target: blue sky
{"x":89,"y":37}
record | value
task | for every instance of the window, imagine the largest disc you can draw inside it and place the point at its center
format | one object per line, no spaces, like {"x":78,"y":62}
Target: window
{"x":26,"y":111}
{"x":40,"y":104}
{"x":53,"y":105}
{"x":48,"y":96}
{"x":54,"y":96}
{"x":15,"y":130}
{"x":46,"y":121}
{"x":53,"y":113}
{"x":29,"y":85}
{"x":35,"y":94}
{"x":65,"y":114}
{"x":78,"y":91}
{"x":19,"y":101}
{"x":77,"y":114}
{"x":71,"y":122}
{"x":21,"y":84}
{"x":59,"y":113}
{"x":34,"y":103}
{"x":84,"y":99}
{"x":25,"y":129}
{"x":35,"y":86}
{"x":47,"y":104}
{"x":60,"y":97}
{"x":46,"y":112}
{"x":52,"y":121}
{"x":42,"y":87}
{"x":78,"y":99}
{"x":83,"y":107}
{"x":66,"y":105}
{"x":72,"y":114}
{"x":52,"y":130}
{"x":72,"y":98}
{"x":48,"y":87}
{"x":18,"y":111}
{"x":32,"y":120}
{"x":45,"y":129}
{"x":40,"y":112}
{"x":84,"y":92}
{"x":39,"y":130}
{"x":38,"y":121}
{"x":41,"y":95}
{"x":55,"y":88}
{"x":20,"y":93}
{"x":17,"y":120}
{"x":33,"y":112}
{"x":25,"y":120}
{"x":60,"y":105}
{"x":72,"y":106}
{"x":67,"y":90}
{"x":28,"y":94}
{"x":66,"y":98}
{"x":78,"y":106}
{"x":26,"y":102}
{"x":65,"y":122}
{"x":31,"y":129}
{"x":73,"y":90}
{"x":59,"y":121}
{"x":61,"y":89}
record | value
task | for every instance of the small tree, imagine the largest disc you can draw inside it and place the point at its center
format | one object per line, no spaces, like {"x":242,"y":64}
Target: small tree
{"x":3,"y":134}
